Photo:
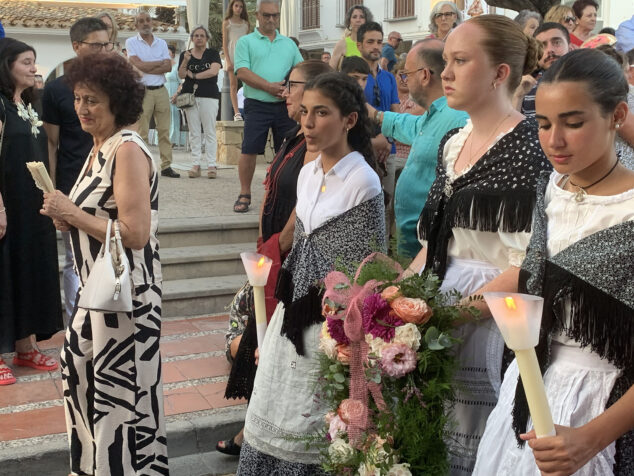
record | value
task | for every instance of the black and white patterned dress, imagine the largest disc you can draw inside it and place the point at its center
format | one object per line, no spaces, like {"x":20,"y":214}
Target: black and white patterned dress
{"x":111,"y":365}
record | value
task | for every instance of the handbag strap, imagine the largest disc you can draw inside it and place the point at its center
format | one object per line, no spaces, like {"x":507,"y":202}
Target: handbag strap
{"x":105,"y":249}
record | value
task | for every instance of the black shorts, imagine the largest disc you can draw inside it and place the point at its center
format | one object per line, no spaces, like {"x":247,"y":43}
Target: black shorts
{"x":261,"y":116}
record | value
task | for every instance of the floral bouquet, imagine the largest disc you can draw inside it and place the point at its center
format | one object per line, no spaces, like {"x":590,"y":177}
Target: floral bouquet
{"x":386,"y":370}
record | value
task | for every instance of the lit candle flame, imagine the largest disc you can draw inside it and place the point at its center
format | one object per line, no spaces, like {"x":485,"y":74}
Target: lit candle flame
{"x":510,"y":303}
{"x":261,"y":262}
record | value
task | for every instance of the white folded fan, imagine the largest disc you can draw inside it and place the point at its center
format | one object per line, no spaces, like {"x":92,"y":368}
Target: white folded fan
{"x":40,"y":176}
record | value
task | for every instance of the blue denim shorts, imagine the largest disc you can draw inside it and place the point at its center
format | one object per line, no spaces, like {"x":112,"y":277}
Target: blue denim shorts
{"x":261,"y":116}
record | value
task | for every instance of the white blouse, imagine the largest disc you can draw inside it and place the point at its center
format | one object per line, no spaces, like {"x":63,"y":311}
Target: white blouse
{"x":323,"y":196}
{"x":500,"y":248}
{"x":570,"y":221}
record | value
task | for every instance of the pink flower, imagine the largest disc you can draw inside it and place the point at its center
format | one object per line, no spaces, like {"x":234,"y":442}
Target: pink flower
{"x":351,"y":409}
{"x":336,"y":425}
{"x":412,"y":310}
{"x":390,"y":293}
{"x":336,"y":331}
{"x":378,"y":319}
{"x":397,"y":360}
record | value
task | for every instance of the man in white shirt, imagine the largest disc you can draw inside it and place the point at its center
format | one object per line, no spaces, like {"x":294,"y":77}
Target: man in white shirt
{"x":151,"y":56}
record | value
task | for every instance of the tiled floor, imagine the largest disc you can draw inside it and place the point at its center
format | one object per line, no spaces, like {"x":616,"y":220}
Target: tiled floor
{"x":195,"y":372}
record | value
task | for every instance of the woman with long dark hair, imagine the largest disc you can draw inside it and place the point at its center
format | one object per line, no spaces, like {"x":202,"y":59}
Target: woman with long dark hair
{"x":30,"y":304}
{"x":580,"y":260}
{"x":340,"y":217}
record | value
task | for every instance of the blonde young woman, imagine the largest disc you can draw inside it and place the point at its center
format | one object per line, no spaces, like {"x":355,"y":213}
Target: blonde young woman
{"x":476,"y":222}
{"x":356,"y":16}
{"x":111,"y":25}
{"x":235,"y":26}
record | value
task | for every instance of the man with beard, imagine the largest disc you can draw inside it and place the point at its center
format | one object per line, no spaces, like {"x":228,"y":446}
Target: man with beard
{"x":423,"y":66}
{"x":555,"y":39}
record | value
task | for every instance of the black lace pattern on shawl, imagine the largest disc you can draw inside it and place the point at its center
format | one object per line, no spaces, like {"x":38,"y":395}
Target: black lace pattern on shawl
{"x":347,"y":238}
{"x":594,"y":278}
{"x":498,"y":193}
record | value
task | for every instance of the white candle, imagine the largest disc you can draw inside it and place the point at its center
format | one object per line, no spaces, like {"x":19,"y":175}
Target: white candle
{"x":519,"y":316}
{"x":258,"y":267}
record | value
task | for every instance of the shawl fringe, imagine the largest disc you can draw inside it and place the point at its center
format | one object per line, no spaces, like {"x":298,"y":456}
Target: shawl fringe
{"x":300,"y":314}
{"x":242,"y":376}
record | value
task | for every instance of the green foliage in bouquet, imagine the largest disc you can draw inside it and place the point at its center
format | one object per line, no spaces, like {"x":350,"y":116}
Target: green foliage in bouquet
{"x":407,"y":326}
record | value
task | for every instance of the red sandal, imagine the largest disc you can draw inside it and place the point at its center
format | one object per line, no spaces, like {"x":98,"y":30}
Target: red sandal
{"x":36,"y":360}
{"x":6,"y":374}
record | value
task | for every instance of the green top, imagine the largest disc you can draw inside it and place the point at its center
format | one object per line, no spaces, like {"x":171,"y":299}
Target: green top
{"x":271,"y":60}
{"x":351,"y":47}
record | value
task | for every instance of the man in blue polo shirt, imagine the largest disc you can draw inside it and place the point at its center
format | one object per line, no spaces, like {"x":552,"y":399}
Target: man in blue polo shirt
{"x":382,"y":94}
{"x":262,"y":61}
{"x":423,"y":67}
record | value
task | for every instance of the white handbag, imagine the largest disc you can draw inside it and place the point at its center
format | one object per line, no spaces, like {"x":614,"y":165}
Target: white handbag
{"x":109,"y":287}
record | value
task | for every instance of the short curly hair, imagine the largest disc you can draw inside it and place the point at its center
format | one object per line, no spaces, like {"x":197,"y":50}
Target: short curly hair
{"x":111,"y":74}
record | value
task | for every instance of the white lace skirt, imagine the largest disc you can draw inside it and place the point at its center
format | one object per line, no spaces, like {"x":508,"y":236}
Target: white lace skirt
{"x":578,"y":385}
{"x":478,"y":376}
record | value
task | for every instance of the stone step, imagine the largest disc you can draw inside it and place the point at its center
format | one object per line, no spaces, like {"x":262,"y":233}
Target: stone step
{"x":200,"y":231}
{"x":190,"y":440}
{"x":198,"y":296}
{"x":198,"y":261}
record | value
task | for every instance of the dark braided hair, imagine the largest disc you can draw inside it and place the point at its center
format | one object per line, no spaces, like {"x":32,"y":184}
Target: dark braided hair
{"x":348,"y":96}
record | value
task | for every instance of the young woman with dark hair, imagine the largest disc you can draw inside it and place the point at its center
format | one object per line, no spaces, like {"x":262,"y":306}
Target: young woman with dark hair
{"x":356,"y":16}
{"x":340,"y":217}
{"x":30,"y":305}
{"x":476,"y":222}
{"x":277,"y":225}
{"x":580,"y":260}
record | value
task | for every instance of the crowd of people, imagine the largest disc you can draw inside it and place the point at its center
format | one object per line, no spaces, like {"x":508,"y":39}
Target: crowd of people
{"x":496,"y":153}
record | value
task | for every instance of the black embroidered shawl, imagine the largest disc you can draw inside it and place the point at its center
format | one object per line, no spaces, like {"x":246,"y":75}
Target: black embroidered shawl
{"x":498,"y":193}
{"x":594,"y":277}
{"x":347,"y":238}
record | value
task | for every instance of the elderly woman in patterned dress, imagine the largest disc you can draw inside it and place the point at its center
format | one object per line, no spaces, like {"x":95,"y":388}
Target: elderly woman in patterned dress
{"x":111,"y":365}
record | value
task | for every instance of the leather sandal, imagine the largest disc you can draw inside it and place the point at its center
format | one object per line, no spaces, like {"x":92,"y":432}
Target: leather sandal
{"x":194,"y":172}
{"x":229,"y":447}
{"x":212,"y":172}
{"x":6,"y":374}
{"x":36,"y":360}
{"x":241,"y":206}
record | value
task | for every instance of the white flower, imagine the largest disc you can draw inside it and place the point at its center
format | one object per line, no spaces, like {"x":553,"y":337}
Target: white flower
{"x":340,"y":452}
{"x":28,"y":114}
{"x":399,"y":470}
{"x":369,"y":470}
{"x":327,"y":344}
{"x":409,"y":335}
{"x":375,"y":344}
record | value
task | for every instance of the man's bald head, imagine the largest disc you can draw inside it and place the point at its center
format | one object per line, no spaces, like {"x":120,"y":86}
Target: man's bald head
{"x":428,"y":53}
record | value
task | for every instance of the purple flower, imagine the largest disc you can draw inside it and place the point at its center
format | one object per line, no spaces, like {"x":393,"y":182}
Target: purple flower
{"x":336,"y":331}
{"x":378,"y":319}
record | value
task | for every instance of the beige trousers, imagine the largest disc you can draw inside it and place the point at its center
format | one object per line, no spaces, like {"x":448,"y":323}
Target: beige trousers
{"x":157,"y":103}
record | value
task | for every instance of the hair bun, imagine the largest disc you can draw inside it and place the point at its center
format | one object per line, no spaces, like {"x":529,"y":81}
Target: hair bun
{"x":532,"y":55}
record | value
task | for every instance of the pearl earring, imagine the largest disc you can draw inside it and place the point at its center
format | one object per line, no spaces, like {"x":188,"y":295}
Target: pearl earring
{"x":617,"y":125}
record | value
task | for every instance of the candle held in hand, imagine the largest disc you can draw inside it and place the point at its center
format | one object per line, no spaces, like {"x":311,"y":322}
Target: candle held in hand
{"x":519,"y":316}
{"x":258,"y":267}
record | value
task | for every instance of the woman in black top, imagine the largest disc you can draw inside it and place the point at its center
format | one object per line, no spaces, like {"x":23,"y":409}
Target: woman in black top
{"x":199,"y":67}
{"x":277,"y":225}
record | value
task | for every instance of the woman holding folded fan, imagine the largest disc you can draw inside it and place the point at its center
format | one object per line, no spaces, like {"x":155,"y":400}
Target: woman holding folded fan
{"x":111,"y":364}
{"x":30,"y":304}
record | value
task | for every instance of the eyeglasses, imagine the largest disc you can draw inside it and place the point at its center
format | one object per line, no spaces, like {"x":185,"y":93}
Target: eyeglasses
{"x":405,"y":74}
{"x":377,"y":93}
{"x":288,"y":84}
{"x":270,"y":16}
{"x":98,"y":46}
{"x":569,"y":19}
{"x":446,"y":15}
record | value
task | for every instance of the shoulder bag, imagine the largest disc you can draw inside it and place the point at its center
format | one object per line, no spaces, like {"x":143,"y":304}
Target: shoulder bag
{"x":185,"y":100}
{"x":109,"y":287}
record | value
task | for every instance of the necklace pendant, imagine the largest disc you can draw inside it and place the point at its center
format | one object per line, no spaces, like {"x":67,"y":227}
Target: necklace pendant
{"x":448,"y":190}
{"x":323,"y":188}
{"x":580,"y":195}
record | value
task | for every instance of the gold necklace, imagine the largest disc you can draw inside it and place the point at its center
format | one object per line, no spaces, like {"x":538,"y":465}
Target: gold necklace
{"x":471,"y":158}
